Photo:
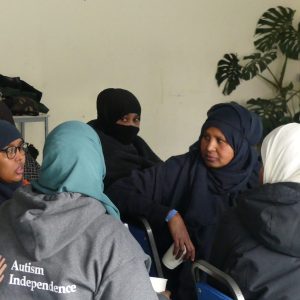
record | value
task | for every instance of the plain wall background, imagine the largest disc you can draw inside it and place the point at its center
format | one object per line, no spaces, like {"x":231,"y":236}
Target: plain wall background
{"x":164,"y":51}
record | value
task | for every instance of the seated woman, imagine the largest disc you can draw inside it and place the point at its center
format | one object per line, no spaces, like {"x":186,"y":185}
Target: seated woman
{"x":117,"y":125}
{"x":31,"y":168}
{"x":62,"y":237}
{"x":184,"y":197}
{"x":12,"y":160}
{"x":258,"y":242}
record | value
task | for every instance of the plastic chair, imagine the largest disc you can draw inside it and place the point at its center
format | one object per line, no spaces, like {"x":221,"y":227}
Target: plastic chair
{"x":206,"y":291}
{"x":142,"y":232}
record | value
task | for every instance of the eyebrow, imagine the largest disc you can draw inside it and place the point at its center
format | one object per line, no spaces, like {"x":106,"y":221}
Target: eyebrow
{"x":19,"y":144}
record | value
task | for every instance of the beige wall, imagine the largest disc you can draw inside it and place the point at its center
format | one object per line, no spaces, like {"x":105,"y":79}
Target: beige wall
{"x":164,"y":51}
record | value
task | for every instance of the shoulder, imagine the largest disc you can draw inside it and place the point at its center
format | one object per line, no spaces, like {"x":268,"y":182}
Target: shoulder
{"x":92,"y":123}
{"x":115,"y":243}
{"x":183,"y":159}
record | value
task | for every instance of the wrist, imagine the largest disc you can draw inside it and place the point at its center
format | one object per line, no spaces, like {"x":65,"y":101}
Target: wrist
{"x":171,"y":214}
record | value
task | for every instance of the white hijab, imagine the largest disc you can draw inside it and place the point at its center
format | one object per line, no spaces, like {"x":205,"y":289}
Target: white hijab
{"x":280,"y":153}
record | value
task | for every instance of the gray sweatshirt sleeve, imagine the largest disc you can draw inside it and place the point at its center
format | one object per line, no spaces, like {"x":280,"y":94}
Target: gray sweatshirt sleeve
{"x":129,"y":282}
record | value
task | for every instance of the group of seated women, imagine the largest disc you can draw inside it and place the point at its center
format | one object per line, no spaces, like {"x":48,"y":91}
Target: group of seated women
{"x":61,"y":235}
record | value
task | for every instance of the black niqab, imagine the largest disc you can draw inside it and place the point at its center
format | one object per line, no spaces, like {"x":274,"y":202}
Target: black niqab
{"x":112,"y":105}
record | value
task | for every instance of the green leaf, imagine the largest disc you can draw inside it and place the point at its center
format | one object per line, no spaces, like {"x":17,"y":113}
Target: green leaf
{"x":258,"y":63}
{"x":272,"y":112}
{"x":228,"y":71}
{"x":290,"y":42}
{"x":271,"y":26}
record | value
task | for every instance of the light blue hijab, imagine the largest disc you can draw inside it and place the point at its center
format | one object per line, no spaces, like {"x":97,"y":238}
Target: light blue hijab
{"x":73,"y":162}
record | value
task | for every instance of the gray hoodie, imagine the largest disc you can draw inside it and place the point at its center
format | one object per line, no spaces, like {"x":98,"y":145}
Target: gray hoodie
{"x":64,"y":246}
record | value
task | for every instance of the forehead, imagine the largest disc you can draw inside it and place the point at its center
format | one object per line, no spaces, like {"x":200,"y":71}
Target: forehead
{"x":16,"y":142}
{"x":131,"y":115}
{"x":214,"y":131}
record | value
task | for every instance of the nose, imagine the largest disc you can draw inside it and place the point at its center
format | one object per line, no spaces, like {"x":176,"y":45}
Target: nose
{"x":20,"y":155}
{"x":211,"y":145}
{"x":131,"y":123}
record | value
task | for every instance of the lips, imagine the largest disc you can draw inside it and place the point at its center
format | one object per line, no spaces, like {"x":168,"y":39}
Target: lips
{"x":210,"y":158}
{"x":20,"y":170}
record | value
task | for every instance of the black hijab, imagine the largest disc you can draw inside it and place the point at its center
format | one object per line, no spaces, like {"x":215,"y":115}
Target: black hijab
{"x":112,"y":105}
{"x":8,"y":133}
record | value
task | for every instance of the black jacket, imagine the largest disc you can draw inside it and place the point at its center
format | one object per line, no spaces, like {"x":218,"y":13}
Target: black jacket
{"x":258,"y":243}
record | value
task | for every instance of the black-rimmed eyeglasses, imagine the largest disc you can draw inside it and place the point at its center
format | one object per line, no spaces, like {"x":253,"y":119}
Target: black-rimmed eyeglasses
{"x":11,"y":151}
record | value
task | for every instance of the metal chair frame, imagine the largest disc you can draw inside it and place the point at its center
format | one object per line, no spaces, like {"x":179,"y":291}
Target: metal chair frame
{"x":141,"y":221}
{"x":219,"y":276}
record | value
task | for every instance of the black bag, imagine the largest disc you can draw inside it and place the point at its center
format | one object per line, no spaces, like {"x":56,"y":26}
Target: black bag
{"x":22,"y":105}
{"x":20,"y":97}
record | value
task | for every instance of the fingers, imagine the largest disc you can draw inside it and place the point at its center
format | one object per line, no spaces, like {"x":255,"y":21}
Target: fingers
{"x":2,"y":262}
{"x":167,"y":294}
{"x":190,"y":251}
{"x":181,"y":238}
{"x":184,"y":246}
{"x":2,"y":267}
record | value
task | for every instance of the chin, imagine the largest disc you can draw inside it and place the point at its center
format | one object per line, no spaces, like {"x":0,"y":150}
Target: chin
{"x":214,"y":166}
{"x":211,"y":164}
{"x":17,"y":179}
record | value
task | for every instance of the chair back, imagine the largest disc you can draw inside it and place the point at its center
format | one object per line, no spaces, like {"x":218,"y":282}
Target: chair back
{"x":142,"y":232}
{"x":206,"y":292}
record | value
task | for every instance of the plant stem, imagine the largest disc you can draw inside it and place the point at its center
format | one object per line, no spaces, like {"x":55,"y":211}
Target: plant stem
{"x":268,"y":80}
{"x":275,"y":79}
{"x":293,"y":95}
{"x":282,"y":73}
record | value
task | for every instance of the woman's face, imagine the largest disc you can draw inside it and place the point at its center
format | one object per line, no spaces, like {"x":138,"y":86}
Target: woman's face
{"x":12,"y":170}
{"x":215,"y":150}
{"x":131,"y":119}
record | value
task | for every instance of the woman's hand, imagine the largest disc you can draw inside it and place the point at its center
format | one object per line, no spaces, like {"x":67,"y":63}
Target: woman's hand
{"x":167,"y":294}
{"x":181,"y":238}
{"x":2,"y":267}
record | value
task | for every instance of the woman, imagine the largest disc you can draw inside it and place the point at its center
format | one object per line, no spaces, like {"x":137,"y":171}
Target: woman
{"x":12,"y":160}
{"x":258,"y":242}
{"x":31,"y":168}
{"x":184,"y":197}
{"x":61,"y":237}
{"x":117,"y":125}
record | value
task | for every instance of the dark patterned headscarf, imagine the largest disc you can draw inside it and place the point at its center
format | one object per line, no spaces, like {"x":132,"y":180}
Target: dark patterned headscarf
{"x":8,"y":133}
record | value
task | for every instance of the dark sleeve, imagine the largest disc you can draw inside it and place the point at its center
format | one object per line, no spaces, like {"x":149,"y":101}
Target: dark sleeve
{"x":145,"y":151}
{"x":147,"y":193}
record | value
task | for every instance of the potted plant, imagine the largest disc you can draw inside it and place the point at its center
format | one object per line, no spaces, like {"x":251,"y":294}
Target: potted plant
{"x":275,"y":39}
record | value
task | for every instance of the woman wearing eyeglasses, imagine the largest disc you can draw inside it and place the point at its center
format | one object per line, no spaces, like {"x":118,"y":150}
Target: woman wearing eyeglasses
{"x":12,"y":160}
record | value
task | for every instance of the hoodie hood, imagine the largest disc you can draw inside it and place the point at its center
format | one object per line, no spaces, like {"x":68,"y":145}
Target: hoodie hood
{"x":271,"y":213}
{"x":38,"y":223}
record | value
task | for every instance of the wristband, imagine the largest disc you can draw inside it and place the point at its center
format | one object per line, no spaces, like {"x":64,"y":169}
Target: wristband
{"x":170,"y":215}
